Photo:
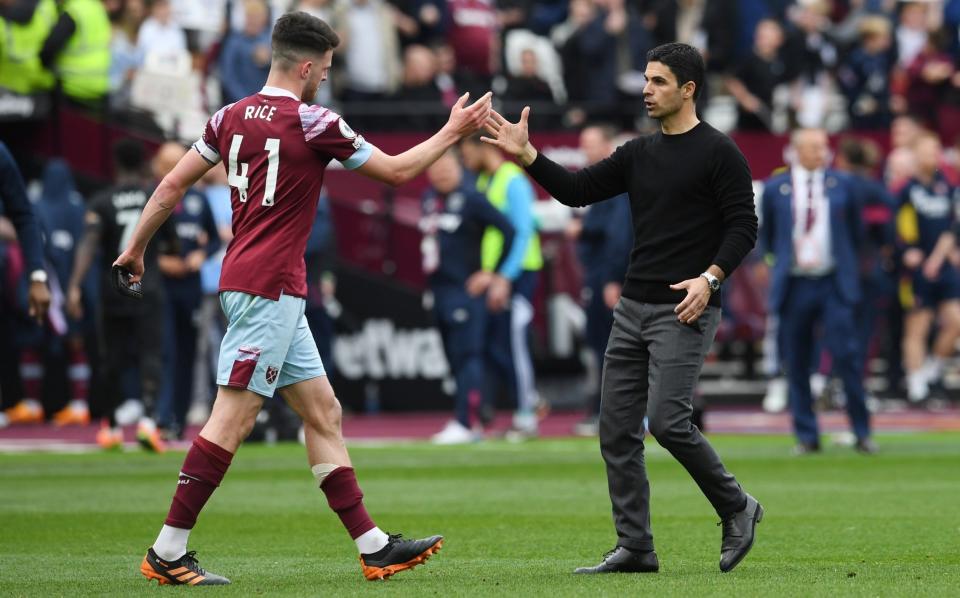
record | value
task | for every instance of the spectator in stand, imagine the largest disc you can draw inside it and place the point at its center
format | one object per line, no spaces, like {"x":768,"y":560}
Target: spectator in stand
{"x":754,"y":79}
{"x":245,"y":58}
{"x":912,"y":31}
{"x":471,"y":31}
{"x":419,"y":100}
{"x":198,"y":238}
{"x":582,"y":83}
{"x":544,"y":15}
{"x":604,"y":239}
{"x":322,"y":9}
{"x":125,"y":57}
{"x":159,"y":33}
{"x":864,"y":75}
{"x":452,"y":81}
{"x":810,"y":58}
{"x":25,"y":25}
{"x":419,"y":22}
{"x":369,"y":45}
{"x":528,"y":88}
{"x":60,"y":212}
{"x":78,"y":50}
{"x":926,"y":225}
{"x":928,"y":78}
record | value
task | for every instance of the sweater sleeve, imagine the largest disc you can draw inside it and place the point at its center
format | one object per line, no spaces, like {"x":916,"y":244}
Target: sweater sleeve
{"x":734,"y":192}
{"x":607,"y":178}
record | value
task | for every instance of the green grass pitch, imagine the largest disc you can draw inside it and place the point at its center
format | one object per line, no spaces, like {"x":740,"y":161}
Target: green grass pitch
{"x":517,"y":519}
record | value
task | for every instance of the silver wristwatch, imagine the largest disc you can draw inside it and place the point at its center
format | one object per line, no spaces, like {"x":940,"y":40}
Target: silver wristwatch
{"x":712,"y":281}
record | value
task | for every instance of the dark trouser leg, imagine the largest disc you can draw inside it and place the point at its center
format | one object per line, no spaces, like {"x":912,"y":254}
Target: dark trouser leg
{"x":622,"y":407}
{"x":677,"y":352}
{"x":148,"y":331}
{"x":599,"y":325}
{"x":186,"y":358}
{"x":116,"y":350}
{"x":799,"y":314}
{"x":843,"y":342}
{"x":463,"y":324}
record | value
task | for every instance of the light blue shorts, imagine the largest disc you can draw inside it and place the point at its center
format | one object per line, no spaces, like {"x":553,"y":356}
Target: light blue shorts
{"x":268,"y":344}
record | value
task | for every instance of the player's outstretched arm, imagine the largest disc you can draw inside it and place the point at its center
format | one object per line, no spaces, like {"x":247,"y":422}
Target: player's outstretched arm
{"x":164,"y":199}
{"x":396,"y":170}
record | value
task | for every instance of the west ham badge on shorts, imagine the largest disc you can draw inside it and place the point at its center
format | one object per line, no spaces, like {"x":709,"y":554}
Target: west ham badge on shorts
{"x":272,"y":373}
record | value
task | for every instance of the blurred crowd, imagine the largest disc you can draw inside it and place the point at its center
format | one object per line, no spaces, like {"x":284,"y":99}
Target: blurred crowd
{"x":773,"y":64}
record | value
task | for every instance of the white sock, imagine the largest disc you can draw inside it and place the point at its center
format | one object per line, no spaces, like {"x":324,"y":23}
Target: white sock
{"x":78,"y":405}
{"x":372,"y":541}
{"x":171,"y":544}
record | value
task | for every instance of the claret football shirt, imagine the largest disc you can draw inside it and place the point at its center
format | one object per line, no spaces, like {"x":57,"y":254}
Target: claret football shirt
{"x":275,"y":149}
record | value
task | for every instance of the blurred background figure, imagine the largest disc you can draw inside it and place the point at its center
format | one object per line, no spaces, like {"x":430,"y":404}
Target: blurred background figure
{"x":455,"y":218}
{"x":812,"y":228}
{"x":131,"y":331}
{"x":22,"y":254}
{"x":604,"y":237}
{"x":245,"y":57}
{"x":508,"y":351}
{"x":754,"y":80}
{"x":197,"y":239}
{"x":930,"y":285}
{"x":60,"y":340}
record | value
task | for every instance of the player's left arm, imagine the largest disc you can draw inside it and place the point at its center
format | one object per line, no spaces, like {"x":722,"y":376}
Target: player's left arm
{"x":161,"y":204}
{"x":401,"y":168}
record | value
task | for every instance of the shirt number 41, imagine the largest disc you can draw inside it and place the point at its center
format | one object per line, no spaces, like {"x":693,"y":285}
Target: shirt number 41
{"x":237,"y":173}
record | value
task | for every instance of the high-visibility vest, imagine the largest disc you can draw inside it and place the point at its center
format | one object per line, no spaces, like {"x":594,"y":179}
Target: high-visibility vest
{"x":20,"y":68}
{"x":495,"y":188}
{"x":84,"y":64}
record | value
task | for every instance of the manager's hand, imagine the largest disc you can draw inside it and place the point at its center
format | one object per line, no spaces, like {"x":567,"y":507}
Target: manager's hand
{"x":512,"y":138}
{"x":698,"y":294}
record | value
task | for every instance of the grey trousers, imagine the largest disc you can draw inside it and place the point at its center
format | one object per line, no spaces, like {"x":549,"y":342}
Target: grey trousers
{"x":651,"y":369}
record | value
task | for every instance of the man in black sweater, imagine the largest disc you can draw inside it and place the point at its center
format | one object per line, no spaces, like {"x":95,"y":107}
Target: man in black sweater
{"x":694,"y":220}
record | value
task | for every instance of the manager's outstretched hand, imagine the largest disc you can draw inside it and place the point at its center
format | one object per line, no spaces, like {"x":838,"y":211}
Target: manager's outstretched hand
{"x":512,"y":138}
{"x":467,"y":120}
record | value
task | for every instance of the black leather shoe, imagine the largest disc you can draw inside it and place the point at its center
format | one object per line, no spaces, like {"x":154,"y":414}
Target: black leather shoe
{"x":738,"y":534}
{"x":623,"y":560}
{"x":806,"y":448}
{"x":866,"y":446}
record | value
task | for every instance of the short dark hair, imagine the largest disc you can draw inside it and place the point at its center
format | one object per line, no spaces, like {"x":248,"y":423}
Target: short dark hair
{"x":296,"y":34}
{"x":128,"y":156}
{"x":684,"y":61}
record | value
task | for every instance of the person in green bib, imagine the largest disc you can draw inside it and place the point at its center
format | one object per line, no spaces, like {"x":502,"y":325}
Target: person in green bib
{"x":508,"y":352}
{"x":23,"y":28}
{"x":77,"y":50}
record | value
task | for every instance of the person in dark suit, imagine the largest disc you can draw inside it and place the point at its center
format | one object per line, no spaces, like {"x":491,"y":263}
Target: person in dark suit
{"x":812,"y":229}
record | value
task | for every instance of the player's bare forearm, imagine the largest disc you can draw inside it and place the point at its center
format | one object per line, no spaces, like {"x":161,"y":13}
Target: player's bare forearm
{"x":415,"y":160}
{"x":155,"y":213}
{"x":399,"y":169}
